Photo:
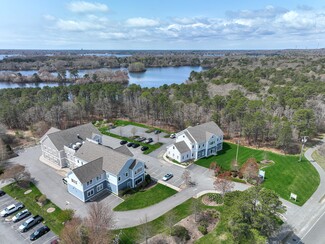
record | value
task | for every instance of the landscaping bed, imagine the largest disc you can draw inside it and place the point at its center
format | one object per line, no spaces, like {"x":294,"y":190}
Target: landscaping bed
{"x":54,"y":220}
{"x":287,"y":175}
{"x":145,"y":198}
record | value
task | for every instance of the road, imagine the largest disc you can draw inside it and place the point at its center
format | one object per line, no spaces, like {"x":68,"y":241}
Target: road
{"x":316,"y":234}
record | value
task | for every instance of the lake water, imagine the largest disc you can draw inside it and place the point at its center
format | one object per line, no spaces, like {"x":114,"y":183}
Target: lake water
{"x":153,"y":77}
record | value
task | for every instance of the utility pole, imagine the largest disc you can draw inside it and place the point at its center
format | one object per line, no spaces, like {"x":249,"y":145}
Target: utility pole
{"x":237,"y":151}
{"x":303,"y":141}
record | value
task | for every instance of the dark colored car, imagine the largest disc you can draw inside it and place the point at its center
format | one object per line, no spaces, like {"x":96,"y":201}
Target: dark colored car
{"x":144,"y":148}
{"x":29,"y":223}
{"x":130,"y":144}
{"x":2,"y":193}
{"x":123,"y":142}
{"x":39,"y":232}
{"x":157,"y":131}
{"x":21,"y":215}
{"x":135,"y":145}
{"x":149,"y":140}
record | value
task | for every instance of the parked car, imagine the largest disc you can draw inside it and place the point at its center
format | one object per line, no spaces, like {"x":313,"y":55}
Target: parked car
{"x":135,"y":145}
{"x":167,"y":176}
{"x":2,"y":193}
{"x":29,"y":223}
{"x":172,"y":136}
{"x":21,"y":215}
{"x":141,"y":138}
{"x":149,"y":140}
{"x":123,"y":142}
{"x":11,"y":209}
{"x":157,"y":131}
{"x":130,"y":144}
{"x":144,"y":148}
{"x":39,"y":232}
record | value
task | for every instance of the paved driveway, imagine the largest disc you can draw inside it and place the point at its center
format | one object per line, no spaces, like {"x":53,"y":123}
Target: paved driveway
{"x":9,"y":231}
{"x":49,"y":182}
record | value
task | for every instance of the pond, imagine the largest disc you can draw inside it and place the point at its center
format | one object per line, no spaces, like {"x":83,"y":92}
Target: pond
{"x":153,"y":77}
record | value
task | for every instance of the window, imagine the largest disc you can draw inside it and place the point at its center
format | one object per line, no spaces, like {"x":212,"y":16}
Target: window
{"x":90,"y":193}
{"x":126,"y":174}
{"x":203,"y":145}
{"x":138,"y":181}
{"x":119,"y":178}
{"x":138,"y":170}
{"x":192,"y":146}
{"x":89,"y":182}
{"x":99,"y":177}
{"x":199,"y":146}
{"x":100,"y":187}
{"x":74,"y":181}
{"x":173,"y":147}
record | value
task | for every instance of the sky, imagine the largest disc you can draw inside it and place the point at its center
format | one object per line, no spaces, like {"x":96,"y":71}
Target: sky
{"x":162,"y":24}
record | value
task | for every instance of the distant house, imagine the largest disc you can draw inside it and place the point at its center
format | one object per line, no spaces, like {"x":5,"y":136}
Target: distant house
{"x":102,"y":168}
{"x":196,"y":142}
{"x":94,"y":167}
{"x":59,"y":146}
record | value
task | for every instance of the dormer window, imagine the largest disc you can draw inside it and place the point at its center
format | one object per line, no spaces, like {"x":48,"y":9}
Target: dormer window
{"x":126,"y":174}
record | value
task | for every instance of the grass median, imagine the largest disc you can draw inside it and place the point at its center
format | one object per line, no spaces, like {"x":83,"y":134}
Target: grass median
{"x":53,"y":220}
{"x":146,"y":198}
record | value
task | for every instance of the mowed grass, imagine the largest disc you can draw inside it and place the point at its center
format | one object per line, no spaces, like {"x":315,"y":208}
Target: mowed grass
{"x":143,"y":199}
{"x":286,"y":176}
{"x":319,"y":159}
{"x":52,"y":220}
{"x":133,"y":235}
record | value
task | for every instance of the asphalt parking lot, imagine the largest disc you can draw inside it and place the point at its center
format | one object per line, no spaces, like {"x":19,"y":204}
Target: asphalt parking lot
{"x":9,"y":231}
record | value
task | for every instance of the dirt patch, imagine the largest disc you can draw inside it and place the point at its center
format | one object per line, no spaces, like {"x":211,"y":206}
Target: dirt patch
{"x":224,"y":89}
{"x":50,"y":210}
{"x":192,"y":227}
{"x":27,"y":192}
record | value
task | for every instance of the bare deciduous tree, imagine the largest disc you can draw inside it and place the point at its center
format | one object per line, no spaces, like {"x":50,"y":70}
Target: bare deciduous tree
{"x":145,"y":229}
{"x":16,"y":172}
{"x":71,"y":233}
{"x":3,"y":151}
{"x":196,"y":209}
{"x":134,"y":131}
{"x":99,"y":221}
{"x":186,"y":176}
{"x":223,"y":184}
{"x":170,"y":221}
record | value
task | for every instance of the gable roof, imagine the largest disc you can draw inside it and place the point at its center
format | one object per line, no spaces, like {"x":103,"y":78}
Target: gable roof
{"x":75,"y":134}
{"x":113,"y":161}
{"x":204,"y":131}
{"x":182,"y":147}
{"x":124,"y":150}
{"x":89,"y":171}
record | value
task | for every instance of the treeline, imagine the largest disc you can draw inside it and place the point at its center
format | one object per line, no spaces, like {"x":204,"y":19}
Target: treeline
{"x":265,"y":105}
{"x":66,"y":62}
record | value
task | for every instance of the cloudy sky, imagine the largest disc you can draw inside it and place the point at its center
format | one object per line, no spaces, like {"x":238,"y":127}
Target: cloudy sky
{"x":162,"y":24}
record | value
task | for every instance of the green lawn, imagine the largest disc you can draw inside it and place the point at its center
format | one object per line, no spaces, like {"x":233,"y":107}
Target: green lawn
{"x":52,"y":220}
{"x":285,"y":176}
{"x":132,"y":235}
{"x":143,"y":199}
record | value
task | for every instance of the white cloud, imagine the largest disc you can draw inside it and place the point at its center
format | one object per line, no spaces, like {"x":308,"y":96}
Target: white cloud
{"x":141,"y":22}
{"x":49,"y":17}
{"x":72,"y":25}
{"x":86,"y":7}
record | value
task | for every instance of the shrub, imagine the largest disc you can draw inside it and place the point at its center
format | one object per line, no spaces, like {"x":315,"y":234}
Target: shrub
{"x":215,"y":197}
{"x":66,"y":215}
{"x":203,"y":229}
{"x":42,"y":199}
{"x":240,"y":175}
{"x":181,"y":232}
{"x":148,"y":178}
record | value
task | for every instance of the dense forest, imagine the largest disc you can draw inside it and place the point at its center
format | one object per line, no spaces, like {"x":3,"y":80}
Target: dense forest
{"x":272,"y":100}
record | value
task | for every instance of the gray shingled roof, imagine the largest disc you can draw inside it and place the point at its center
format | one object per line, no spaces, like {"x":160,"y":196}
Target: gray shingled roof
{"x":205,"y":131}
{"x":189,"y":136}
{"x":89,"y":171}
{"x":124,"y":150}
{"x":182,"y":147}
{"x":66,"y":137}
{"x":113,"y":161}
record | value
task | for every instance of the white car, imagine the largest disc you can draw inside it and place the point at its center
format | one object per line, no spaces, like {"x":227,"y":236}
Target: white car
{"x":167,"y":176}
{"x":11,"y":209}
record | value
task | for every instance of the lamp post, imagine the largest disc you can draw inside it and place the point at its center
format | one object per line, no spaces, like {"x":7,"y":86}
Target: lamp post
{"x":303,"y":141}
